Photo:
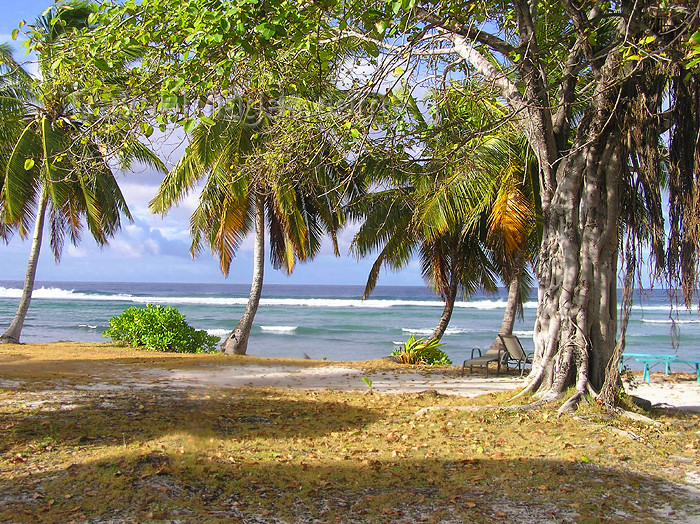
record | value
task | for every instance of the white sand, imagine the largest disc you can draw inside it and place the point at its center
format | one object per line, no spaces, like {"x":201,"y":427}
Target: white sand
{"x":683,"y":395}
{"x":338,"y":378}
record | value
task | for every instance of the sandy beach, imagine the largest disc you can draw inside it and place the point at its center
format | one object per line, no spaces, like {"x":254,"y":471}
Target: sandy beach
{"x":683,"y":395}
{"x":107,"y":367}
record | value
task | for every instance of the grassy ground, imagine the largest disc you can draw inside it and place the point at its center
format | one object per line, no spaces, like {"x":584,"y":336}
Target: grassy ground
{"x":71,"y":453}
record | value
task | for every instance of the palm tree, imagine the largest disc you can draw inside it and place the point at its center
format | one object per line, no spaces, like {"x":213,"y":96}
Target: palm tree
{"x":513,"y":234}
{"x":467,"y":210}
{"x":15,"y":85}
{"x":453,"y":260}
{"x":241,"y":156}
{"x":52,"y":162}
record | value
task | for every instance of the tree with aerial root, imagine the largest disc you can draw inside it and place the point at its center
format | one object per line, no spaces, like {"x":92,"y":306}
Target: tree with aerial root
{"x":586,"y":86}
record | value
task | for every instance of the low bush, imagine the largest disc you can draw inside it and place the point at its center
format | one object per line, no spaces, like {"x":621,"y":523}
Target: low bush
{"x":421,"y":351}
{"x":160,"y":328}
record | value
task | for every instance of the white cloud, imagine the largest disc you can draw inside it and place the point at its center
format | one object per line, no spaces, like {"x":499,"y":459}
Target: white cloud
{"x":72,"y":251}
{"x":121,"y":248}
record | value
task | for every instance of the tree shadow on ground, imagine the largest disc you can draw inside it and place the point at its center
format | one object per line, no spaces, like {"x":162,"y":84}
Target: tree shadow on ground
{"x":198,"y":488}
{"x":262,"y":455}
{"x":99,"y":418}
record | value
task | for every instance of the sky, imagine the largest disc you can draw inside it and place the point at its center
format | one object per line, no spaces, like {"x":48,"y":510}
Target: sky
{"x":155,"y":249}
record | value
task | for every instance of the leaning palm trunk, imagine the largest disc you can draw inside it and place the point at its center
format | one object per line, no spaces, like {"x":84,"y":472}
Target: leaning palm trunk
{"x":450,"y":299}
{"x":510,"y":313}
{"x":11,"y":336}
{"x":237,"y":341}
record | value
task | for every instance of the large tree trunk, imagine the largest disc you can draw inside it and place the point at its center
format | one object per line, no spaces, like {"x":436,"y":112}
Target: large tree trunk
{"x":511,"y":311}
{"x":576,"y":326}
{"x":576,"y":322}
{"x":237,"y":341}
{"x":450,"y":299}
{"x":11,"y":336}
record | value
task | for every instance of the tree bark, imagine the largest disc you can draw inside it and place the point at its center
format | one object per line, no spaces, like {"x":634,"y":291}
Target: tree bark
{"x":576,"y":326}
{"x":237,"y":341}
{"x":13,"y":333}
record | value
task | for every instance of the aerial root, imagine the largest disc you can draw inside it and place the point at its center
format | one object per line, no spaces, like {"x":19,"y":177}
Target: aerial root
{"x":570,"y":405}
{"x":527,"y":389}
{"x":592,"y":392}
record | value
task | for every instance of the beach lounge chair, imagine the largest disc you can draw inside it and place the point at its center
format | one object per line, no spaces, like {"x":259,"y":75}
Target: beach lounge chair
{"x":492,"y":355}
{"x":516,"y":353}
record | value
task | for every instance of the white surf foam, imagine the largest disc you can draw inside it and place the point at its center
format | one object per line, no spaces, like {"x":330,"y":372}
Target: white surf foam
{"x":429,"y":331}
{"x":669,"y":321}
{"x":218,"y":332}
{"x":54,"y":293}
{"x":286,"y":330}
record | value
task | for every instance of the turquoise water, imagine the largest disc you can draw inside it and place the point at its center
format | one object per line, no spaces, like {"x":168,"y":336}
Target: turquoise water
{"x":320,"y":321}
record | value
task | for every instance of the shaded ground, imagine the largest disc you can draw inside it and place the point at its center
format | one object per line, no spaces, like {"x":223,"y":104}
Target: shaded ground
{"x":84,"y":440}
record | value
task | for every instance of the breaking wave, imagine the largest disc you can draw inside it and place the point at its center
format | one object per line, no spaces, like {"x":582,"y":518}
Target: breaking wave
{"x":55,"y":293}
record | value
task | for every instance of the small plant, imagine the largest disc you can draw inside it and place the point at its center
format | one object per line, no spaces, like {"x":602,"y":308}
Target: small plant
{"x":627,"y":376}
{"x":160,"y":328}
{"x":368,"y":381}
{"x":421,"y":351}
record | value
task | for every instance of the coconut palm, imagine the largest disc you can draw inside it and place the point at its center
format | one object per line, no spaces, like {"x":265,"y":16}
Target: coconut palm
{"x":54,"y":163}
{"x":468,"y":212}
{"x":249,"y":182}
{"x":15,"y":85}
{"x":494,"y":176}
{"x":453,"y":261}
{"x":513,"y":234}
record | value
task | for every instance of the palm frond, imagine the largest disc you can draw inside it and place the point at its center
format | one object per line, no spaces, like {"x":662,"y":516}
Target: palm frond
{"x":22,"y":180}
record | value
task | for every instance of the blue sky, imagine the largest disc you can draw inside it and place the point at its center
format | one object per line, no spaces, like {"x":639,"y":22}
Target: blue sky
{"x":152,"y":249}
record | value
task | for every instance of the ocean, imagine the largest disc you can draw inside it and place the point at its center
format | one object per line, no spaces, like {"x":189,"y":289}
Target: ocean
{"x":331,"y":322}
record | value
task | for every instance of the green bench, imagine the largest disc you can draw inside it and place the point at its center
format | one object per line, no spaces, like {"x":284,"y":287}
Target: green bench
{"x":649,"y":361}
{"x":695,"y":363}
{"x":638,"y":356}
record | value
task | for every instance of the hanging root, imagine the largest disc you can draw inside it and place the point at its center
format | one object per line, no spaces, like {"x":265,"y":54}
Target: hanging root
{"x":591,"y":391}
{"x":525,"y":391}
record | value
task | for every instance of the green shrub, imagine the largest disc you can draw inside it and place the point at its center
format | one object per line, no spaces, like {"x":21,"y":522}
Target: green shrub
{"x":160,"y":328}
{"x":421,"y":351}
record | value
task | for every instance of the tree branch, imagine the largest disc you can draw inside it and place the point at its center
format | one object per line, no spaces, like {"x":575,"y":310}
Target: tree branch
{"x":469,"y":32}
{"x":403,"y":49}
{"x":567,"y":90}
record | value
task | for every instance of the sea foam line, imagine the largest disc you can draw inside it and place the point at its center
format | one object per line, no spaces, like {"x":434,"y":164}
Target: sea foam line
{"x":287,"y":330}
{"x":429,"y":331}
{"x":218,"y":332}
{"x":54,"y":293}
{"x":669,"y":321}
